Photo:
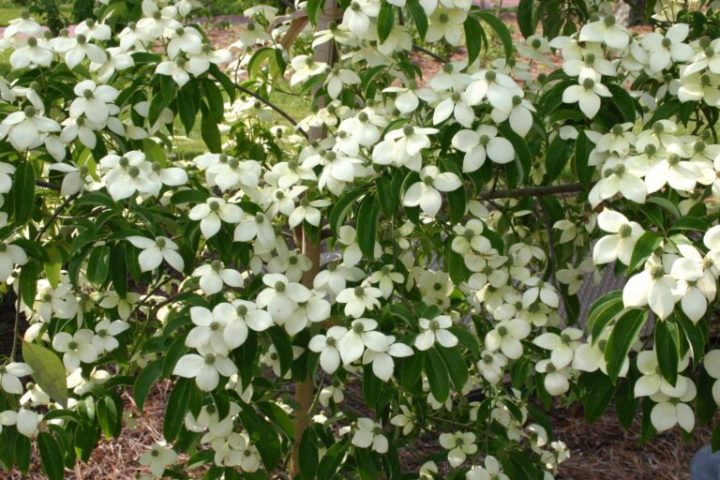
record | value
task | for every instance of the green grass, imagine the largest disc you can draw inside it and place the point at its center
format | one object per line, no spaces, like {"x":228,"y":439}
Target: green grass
{"x":8,"y":12}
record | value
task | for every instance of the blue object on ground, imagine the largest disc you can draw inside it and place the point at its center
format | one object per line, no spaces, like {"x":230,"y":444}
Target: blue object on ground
{"x":705,"y":465}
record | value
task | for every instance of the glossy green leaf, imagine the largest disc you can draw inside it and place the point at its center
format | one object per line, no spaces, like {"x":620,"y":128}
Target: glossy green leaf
{"x":48,"y":370}
{"x":145,"y":380}
{"x":367,"y":223}
{"x":23,"y":192}
{"x":51,"y":456}
{"x":644,"y":248}
{"x":385,"y":21}
{"x":624,"y":334}
{"x":667,"y":340}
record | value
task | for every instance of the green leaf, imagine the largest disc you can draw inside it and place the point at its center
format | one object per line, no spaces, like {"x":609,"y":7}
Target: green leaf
{"x":417,"y":12}
{"x":644,"y":248}
{"x":624,"y":102}
{"x":557,"y":156}
{"x":308,"y":455}
{"x":456,"y":366}
{"x":145,"y":381}
{"x":625,"y":403}
{"x":437,"y":375}
{"x":98,"y":265}
{"x":693,"y":224}
{"x":51,"y":454}
{"x":473,"y":37}
{"x":367,"y":222}
{"x":500,"y":29}
{"x":696,"y":334}
{"x":602,"y":312}
{"x":216,"y":104}
{"x":666,"y":205}
{"x":23,"y":192}
{"x":118,"y":269}
{"x":385,"y":21}
{"x":387,"y":196}
{"x":583,"y":171}
{"x":29,"y":274}
{"x":210,"y":133}
{"x":598,"y":396}
{"x":715,"y":439}
{"x":263,"y":436}
{"x":283,"y":346}
{"x":667,"y":340}
{"x":177,"y":406}
{"x":624,"y":334}
{"x":341,"y":208}
{"x":525,"y":18}
{"x":331,"y":461}
{"x":109,"y":417}
{"x":313,"y":8}
{"x":522,"y":152}
{"x":48,"y":370}
{"x":187,"y":108}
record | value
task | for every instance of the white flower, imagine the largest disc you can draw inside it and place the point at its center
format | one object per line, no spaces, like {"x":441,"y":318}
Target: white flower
{"x":212,"y":213}
{"x":179,"y":69}
{"x":9,"y":377}
{"x":385,"y":278}
{"x":359,"y":299}
{"x":491,"y":471}
{"x":259,"y":227}
{"x":94,"y":101}
{"x":606,"y":30}
{"x":26,"y":421}
{"x":214,"y":275}
{"x":435,"y":330}
{"x":651,"y":287}
{"x":369,"y":433}
{"x":405,"y":420}
{"x":305,"y":67}
{"x":426,"y":192}
{"x":497,"y":88}
{"x":448,"y":24}
{"x":402,"y":147}
{"x":10,"y":256}
{"x":460,"y":444}
{"x":327,"y":346}
{"x":382,"y":359}
{"x":27,"y":129}
{"x":668,"y":48}
{"x":492,"y":366}
{"x":281,"y":297}
{"x":105,"y":333}
{"x":33,"y":54}
{"x":124,"y":305}
{"x":454,"y":105}
{"x":80,"y":49}
{"x":556,"y":379}
{"x":360,"y":335}
{"x":205,"y":368}
{"x":652,"y":381}
{"x":620,"y":245}
{"x":481,"y":144}
{"x":158,"y":458}
{"x":76,"y":348}
{"x":587,"y":95}
{"x":338,"y":78}
{"x":506,"y":337}
{"x":618,"y":176}
{"x":562,"y":347}
{"x":154,"y":251}
{"x":545,"y":291}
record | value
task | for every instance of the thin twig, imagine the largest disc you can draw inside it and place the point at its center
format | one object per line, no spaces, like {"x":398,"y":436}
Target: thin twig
{"x":270,"y":104}
{"x":55,"y":215}
{"x":16,"y":329}
{"x":44,"y":184}
{"x":540,"y":191}
{"x":429,"y":53}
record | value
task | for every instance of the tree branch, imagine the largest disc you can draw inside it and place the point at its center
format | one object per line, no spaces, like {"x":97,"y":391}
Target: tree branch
{"x":55,"y":215}
{"x":270,"y":104}
{"x":540,"y":191}
{"x":429,"y":53}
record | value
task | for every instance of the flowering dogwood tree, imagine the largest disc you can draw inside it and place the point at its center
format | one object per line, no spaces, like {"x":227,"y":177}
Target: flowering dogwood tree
{"x":399,"y":266}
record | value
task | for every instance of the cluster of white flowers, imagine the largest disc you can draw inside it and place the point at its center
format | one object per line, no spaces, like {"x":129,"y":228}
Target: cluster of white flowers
{"x":425,"y":291}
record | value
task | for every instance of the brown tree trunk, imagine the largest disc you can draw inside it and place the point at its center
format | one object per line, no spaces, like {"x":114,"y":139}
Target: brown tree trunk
{"x":305,"y":389}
